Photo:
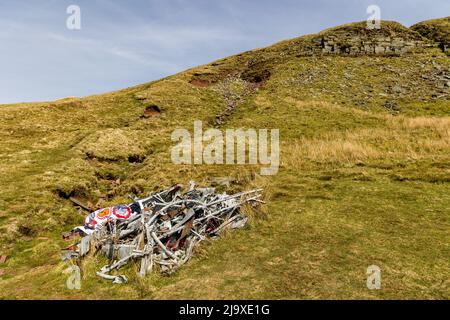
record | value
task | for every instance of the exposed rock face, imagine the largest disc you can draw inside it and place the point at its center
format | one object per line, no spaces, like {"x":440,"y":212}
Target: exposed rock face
{"x":357,"y":45}
{"x":356,"y":39}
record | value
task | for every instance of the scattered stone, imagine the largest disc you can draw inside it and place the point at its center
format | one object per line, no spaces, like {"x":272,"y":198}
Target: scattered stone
{"x":398,"y":89}
{"x":392,"y":106}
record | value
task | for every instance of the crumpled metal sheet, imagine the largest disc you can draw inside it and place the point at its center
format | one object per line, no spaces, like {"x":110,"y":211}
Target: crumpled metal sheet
{"x":85,"y":245}
{"x":164,"y":231}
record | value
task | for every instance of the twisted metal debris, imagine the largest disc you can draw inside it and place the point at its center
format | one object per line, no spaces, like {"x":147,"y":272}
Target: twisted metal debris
{"x":162,"y":230}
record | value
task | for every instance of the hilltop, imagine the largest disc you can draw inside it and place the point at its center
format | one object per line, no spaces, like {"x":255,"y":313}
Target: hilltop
{"x":364,"y":119}
{"x":437,"y":30}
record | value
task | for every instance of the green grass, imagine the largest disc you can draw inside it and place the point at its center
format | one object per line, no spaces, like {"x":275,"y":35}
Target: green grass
{"x":359,"y":184}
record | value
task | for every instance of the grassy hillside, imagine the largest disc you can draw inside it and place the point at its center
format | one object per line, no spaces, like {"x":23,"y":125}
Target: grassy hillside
{"x":364,"y":179}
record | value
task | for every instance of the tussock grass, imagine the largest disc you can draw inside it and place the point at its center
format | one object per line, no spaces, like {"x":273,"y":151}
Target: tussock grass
{"x":115,"y":144}
{"x":330,"y":150}
{"x":440,"y":124}
{"x":400,"y":138}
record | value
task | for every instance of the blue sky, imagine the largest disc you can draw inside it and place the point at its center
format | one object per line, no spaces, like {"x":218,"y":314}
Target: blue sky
{"x":126,"y":42}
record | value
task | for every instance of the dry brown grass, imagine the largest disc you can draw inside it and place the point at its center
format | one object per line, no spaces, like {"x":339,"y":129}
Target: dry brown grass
{"x":431,"y":137}
{"x":330,"y":150}
{"x":405,"y":123}
{"x":433,"y":134}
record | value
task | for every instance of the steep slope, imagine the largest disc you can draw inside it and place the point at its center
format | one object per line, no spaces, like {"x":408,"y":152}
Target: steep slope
{"x":365,"y":140}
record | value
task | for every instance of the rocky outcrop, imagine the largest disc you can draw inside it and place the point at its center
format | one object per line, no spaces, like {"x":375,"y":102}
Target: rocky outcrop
{"x":366,"y":45}
{"x":437,"y":30}
{"x":356,"y":39}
